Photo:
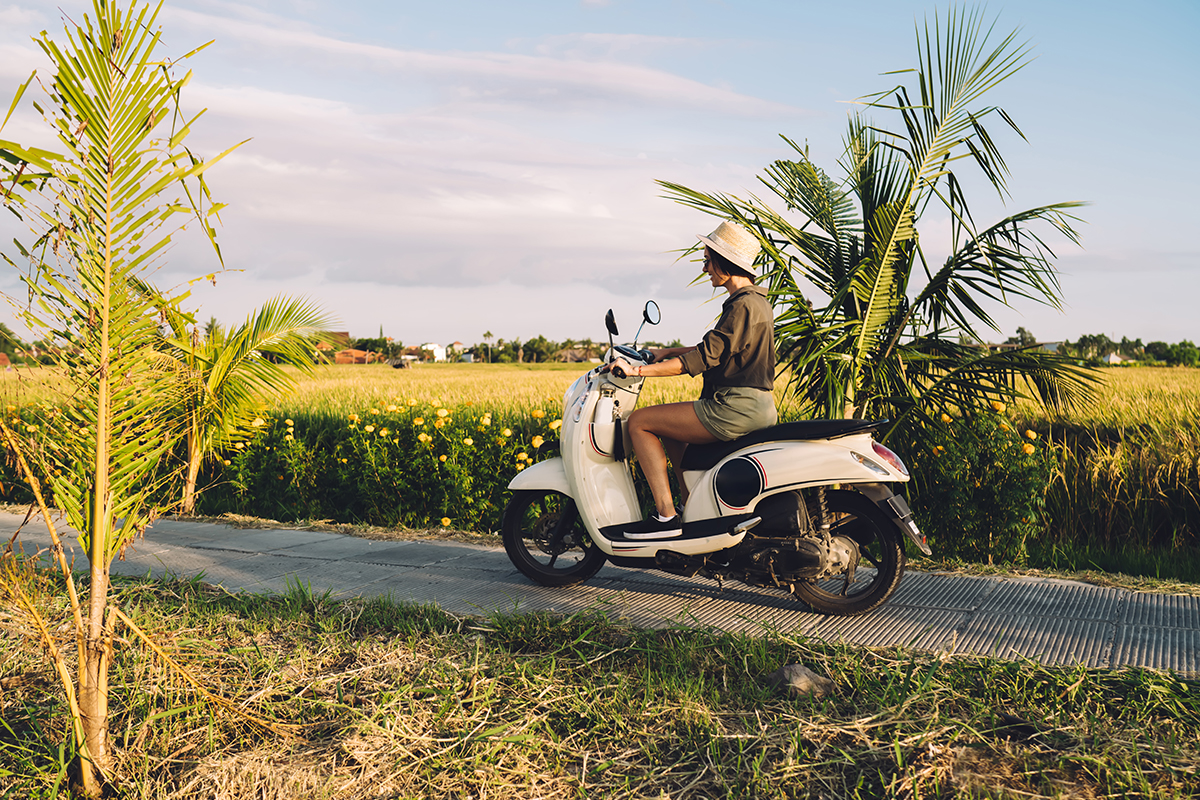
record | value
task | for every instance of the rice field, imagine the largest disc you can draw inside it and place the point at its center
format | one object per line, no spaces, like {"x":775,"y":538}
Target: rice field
{"x":503,"y":388}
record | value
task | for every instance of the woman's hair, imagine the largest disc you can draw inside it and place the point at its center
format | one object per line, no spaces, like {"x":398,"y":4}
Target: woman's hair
{"x":725,"y":265}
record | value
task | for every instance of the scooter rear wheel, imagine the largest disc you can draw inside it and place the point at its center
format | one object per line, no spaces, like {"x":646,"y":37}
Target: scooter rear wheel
{"x":546,"y":540}
{"x":881,"y":559}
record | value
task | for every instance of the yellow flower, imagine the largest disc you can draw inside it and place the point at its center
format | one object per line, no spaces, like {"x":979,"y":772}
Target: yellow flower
{"x":352,"y":426}
{"x":374,"y":410}
{"x":946,"y":418}
{"x":998,"y":407}
{"x":537,"y":413}
{"x":520,"y":467}
{"x":424,"y":437}
{"x":1004,"y":427}
{"x":288,"y":438}
{"x":258,"y":422}
{"x":392,"y":407}
{"x":288,"y":422}
{"x":442,"y":459}
{"x":537,"y":442}
{"x":419,"y":421}
{"x":485,"y":420}
{"x":343,"y":460}
{"x":522,"y":456}
{"x":239,"y":445}
{"x":445,"y":522}
{"x":468,"y":442}
{"x":30,"y":428}
{"x":1028,"y":448}
{"x":437,"y":423}
{"x":441,"y":412}
{"x":383,"y":431}
{"x":12,"y":409}
{"x":507,"y":431}
{"x":1031,"y":435}
{"x":353,"y":417}
{"x":227,"y":462}
{"x":369,"y":428}
{"x":556,"y":424}
{"x":412,"y":402}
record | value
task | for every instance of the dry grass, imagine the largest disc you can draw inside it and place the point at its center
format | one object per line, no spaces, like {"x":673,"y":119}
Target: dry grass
{"x":409,"y":702}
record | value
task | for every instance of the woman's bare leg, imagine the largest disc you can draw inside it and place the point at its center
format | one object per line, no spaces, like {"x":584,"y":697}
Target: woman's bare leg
{"x":675,"y":449}
{"x":670,"y":421}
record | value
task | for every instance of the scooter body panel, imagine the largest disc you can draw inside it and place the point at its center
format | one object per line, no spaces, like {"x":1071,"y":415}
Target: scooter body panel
{"x":549,"y":474}
{"x":737,"y":483}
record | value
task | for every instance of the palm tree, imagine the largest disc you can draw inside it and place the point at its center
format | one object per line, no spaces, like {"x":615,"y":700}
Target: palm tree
{"x":487,"y":337}
{"x":881,"y":336}
{"x":224,"y":377}
{"x":101,"y":225}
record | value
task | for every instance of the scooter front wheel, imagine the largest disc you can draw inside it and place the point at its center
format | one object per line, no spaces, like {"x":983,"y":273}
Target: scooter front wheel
{"x":546,"y":540}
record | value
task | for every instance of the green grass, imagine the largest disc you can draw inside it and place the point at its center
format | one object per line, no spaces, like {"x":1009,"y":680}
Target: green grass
{"x":395,"y":700}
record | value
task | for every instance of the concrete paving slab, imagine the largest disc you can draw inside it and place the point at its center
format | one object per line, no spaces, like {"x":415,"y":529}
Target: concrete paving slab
{"x":1049,"y":640}
{"x":265,"y":541}
{"x":779,"y":613}
{"x":892,"y":626}
{"x":182,"y":562}
{"x":339,"y":578}
{"x":1159,"y":648}
{"x":1051,"y":597}
{"x":932,"y":590}
{"x":336,"y":548}
{"x":253,"y":572}
{"x":415,"y":554}
{"x":650,"y":610}
{"x":1162,"y":610}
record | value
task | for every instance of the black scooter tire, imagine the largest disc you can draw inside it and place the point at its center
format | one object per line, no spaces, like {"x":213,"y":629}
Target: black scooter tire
{"x":546,"y":540}
{"x":881,"y":546}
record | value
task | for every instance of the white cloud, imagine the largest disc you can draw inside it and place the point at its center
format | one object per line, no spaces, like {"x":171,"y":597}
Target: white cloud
{"x":509,"y":78}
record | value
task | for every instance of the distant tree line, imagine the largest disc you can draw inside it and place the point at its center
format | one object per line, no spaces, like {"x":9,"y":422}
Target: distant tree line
{"x":539,"y":349}
{"x":27,"y":353}
{"x":1096,"y":348}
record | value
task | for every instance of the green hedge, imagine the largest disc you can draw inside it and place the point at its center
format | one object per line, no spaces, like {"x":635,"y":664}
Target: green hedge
{"x":416,"y":466}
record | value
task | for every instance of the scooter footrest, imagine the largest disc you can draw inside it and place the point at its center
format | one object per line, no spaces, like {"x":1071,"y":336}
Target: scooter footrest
{"x":699,"y":529}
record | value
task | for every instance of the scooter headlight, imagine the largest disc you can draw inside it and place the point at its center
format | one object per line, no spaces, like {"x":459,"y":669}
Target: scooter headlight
{"x":573,"y":390}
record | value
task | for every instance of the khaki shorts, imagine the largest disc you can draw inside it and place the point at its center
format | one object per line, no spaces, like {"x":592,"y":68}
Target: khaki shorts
{"x":734,"y":411}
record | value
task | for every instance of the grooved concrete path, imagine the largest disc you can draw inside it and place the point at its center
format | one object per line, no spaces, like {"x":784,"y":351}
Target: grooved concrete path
{"x":1046,"y":620}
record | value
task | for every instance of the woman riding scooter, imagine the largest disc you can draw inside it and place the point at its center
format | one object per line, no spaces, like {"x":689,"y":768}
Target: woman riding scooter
{"x":737,"y":359}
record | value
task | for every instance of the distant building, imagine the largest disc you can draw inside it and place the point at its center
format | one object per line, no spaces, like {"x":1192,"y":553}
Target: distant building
{"x":350,"y":356}
{"x":433,"y":352}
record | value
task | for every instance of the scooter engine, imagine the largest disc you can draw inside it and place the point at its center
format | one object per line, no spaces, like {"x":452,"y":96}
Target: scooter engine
{"x":787,"y":547}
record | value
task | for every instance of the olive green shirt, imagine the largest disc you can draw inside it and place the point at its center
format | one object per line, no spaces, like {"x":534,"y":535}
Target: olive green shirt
{"x":740,"y":350}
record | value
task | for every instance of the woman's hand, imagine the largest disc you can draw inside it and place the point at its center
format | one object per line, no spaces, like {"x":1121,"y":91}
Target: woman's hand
{"x":621,"y":364}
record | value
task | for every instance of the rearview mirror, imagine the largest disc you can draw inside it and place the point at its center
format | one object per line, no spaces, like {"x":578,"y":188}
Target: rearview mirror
{"x":651,"y":313}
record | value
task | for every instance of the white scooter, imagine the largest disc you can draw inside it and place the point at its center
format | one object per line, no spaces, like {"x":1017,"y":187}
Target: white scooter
{"x":803,"y":506}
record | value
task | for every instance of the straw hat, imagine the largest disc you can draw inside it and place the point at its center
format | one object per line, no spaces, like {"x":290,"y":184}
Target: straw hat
{"x":735,"y":243}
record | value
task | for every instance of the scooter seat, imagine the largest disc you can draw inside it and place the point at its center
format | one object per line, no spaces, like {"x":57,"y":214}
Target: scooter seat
{"x":706,"y":456}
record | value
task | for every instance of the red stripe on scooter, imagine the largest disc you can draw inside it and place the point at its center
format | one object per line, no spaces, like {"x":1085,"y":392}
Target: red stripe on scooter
{"x":592,"y":439}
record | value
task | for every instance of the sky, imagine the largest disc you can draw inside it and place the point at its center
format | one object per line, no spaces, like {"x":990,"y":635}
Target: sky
{"x":438,"y":171}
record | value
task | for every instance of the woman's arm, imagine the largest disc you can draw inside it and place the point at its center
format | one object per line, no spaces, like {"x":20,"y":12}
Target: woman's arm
{"x":659,"y":369}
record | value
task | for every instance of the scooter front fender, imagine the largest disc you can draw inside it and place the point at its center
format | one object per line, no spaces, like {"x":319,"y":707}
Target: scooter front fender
{"x":549,"y":474}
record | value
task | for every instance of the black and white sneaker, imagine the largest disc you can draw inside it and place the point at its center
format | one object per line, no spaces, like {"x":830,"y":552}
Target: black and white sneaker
{"x":654,"y":528}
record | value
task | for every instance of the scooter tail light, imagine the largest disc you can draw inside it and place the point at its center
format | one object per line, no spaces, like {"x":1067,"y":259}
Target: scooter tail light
{"x":890,"y":457}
